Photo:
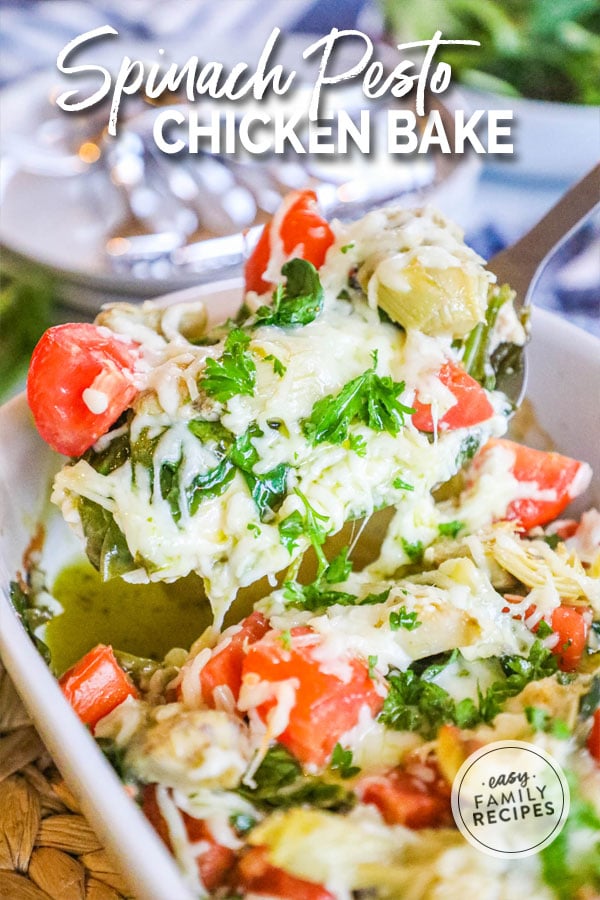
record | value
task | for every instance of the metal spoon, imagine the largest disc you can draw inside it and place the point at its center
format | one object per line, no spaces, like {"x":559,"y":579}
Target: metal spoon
{"x":522,"y":264}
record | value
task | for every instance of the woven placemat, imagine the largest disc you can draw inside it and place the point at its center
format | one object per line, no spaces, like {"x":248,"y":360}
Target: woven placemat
{"x":47,"y":848}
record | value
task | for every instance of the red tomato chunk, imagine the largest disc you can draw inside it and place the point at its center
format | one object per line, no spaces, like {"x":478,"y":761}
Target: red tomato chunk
{"x":256,"y":874}
{"x":472,"y":404}
{"x":558,"y":479}
{"x":68,"y":361}
{"x":326,"y":705}
{"x":96,"y":685}
{"x":404,"y":799}
{"x":302,"y":233}
{"x":214,"y":862}
{"x":225,"y":665}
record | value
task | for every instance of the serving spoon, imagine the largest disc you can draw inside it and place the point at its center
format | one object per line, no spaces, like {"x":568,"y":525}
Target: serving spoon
{"x":521,"y":264}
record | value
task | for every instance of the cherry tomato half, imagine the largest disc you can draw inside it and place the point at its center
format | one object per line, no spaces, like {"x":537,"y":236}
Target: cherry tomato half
{"x":79,"y":383}
{"x":302,"y":231}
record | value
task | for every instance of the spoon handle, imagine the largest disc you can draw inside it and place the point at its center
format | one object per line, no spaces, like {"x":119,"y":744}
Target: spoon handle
{"x":520,"y":264}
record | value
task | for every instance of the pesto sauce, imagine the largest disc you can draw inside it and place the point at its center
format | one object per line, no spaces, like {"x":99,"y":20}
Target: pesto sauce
{"x":143,"y":619}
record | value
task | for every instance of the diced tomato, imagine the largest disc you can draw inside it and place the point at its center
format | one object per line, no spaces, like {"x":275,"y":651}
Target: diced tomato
{"x":67,"y":361}
{"x":593,"y":741}
{"x":258,"y":876}
{"x":303,"y":233}
{"x":569,"y":623}
{"x":96,"y":685}
{"x":326,"y":705}
{"x":225,"y":665}
{"x":405,"y":799}
{"x":214,"y":862}
{"x":472,"y":403}
{"x":561,"y":477}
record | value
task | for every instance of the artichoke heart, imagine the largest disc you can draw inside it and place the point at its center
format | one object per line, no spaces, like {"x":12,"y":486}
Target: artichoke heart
{"x":449,"y":300}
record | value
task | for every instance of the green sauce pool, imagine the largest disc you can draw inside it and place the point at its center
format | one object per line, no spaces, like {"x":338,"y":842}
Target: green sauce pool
{"x":142,"y":619}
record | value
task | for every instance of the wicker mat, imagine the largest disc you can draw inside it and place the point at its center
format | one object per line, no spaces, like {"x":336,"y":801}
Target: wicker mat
{"x":47,"y":848}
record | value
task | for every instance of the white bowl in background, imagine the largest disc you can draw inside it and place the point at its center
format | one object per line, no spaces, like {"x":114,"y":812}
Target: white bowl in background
{"x":554,"y":141}
{"x":564,"y":379}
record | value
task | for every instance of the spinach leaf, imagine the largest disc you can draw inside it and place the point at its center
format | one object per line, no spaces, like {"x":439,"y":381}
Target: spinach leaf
{"x":468,"y":449}
{"x":268,"y":490}
{"x":476,"y":355}
{"x":590,"y":701}
{"x":368,"y":398}
{"x":234,"y":373}
{"x":31,"y":616}
{"x":169,"y":486}
{"x":114,"y":455}
{"x":106,"y":546}
{"x":207,"y":431}
{"x":116,"y":756}
{"x":297,"y":302}
{"x":280,"y":783}
{"x":209,"y":484}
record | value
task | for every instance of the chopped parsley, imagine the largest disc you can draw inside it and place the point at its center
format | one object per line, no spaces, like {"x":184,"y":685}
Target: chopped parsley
{"x":543,"y":630}
{"x":341,"y":761}
{"x":372,"y":662}
{"x":347,"y":247}
{"x":307,"y":524}
{"x":357,"y":443}
{"x":318,"y":595}
{"x":403,"y":619}
{"x":298,"y":301}
{"x":400,"y":485}
{"x":369,"y":398}
{"x":450,"y":529}
{"x":413,"y":550}
{"x":416,"y":703}
{"x":234,"y":373}
{"x":278,"y":366}
{"x":541,"y":720}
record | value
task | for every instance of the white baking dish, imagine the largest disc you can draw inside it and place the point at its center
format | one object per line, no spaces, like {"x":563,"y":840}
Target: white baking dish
{"x":564,"y":389}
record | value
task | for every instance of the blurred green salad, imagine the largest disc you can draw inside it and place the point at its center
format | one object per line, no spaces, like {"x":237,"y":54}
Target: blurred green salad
{"x":25,"y":313}
{"x":543,"y":49}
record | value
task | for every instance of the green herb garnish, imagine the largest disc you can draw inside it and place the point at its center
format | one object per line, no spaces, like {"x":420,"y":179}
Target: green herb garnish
{"x":280,"y":784}
{"x":234,"y":373}
{"x":296,"y":302}
{"x":450,"y":529}
{"x":341,"y":761}
{"x":403,"y":619}
{"x":368,"y":398}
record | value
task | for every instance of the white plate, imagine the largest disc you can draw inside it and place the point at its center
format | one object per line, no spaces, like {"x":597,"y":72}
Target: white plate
{"x":564,"y":387}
